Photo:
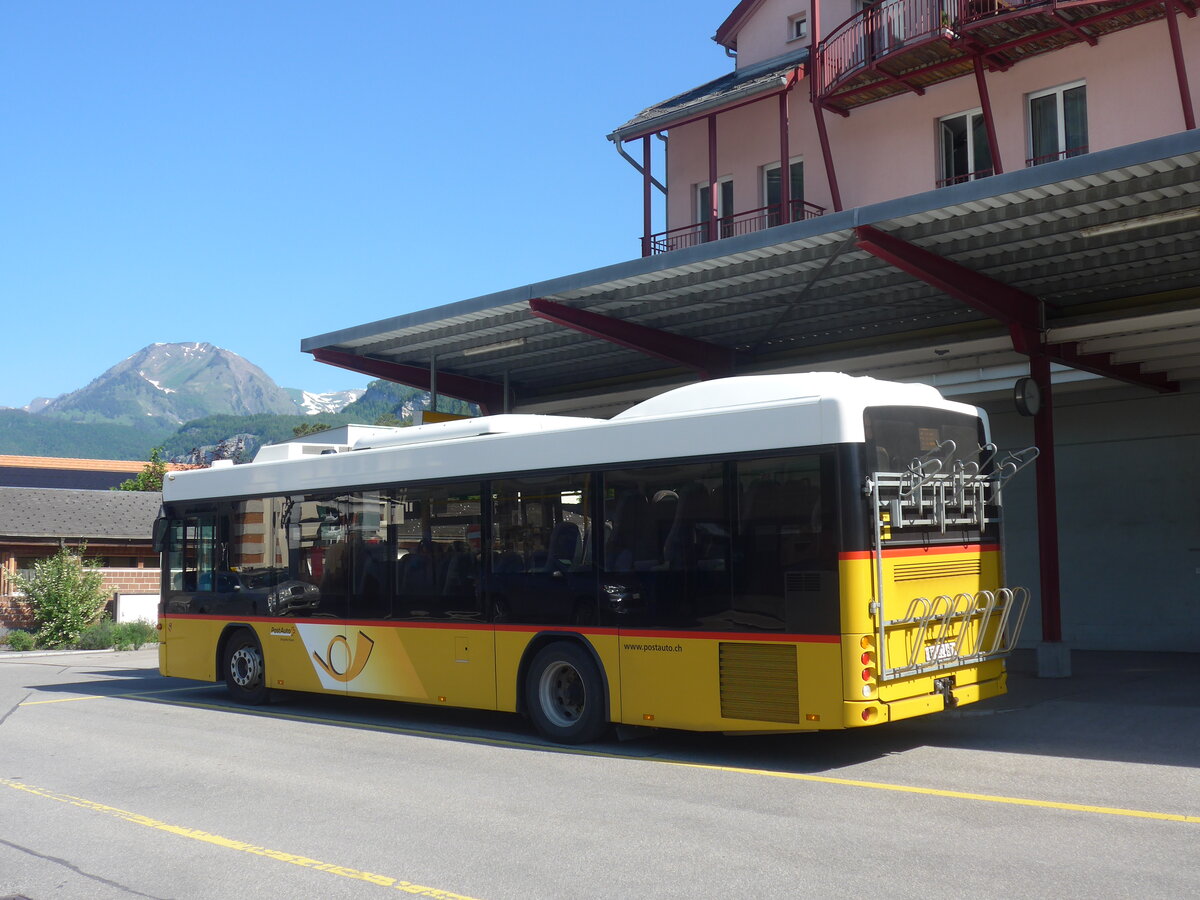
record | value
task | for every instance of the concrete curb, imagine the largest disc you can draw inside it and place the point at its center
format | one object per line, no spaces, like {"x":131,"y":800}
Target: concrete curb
{"x":29,"y":654}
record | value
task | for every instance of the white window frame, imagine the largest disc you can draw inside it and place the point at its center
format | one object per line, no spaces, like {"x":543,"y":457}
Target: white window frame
{"x":771,"y":167}
{"x":1058,"y":92}
{"x":941,"y":159}
{"x":701,"y":212}
{"x":798,"y":21}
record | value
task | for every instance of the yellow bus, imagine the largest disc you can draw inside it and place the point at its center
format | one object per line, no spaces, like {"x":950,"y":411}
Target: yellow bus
{"x":750,"y":554}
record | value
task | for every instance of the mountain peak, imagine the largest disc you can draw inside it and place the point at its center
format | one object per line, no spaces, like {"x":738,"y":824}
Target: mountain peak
{"x":172,"y":383}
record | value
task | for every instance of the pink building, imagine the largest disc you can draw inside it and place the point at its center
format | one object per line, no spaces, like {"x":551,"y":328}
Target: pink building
{"x":874,"y":101}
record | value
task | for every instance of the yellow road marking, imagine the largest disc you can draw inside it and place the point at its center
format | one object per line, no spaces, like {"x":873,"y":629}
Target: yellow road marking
{"x":765,"y":773}
{"x":118,"y":696}
{"x":407,"y":887}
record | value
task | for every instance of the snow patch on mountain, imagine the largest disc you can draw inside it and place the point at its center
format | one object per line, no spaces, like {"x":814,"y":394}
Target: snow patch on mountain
{"x":165,"y":390}
{"x":332,"y":402}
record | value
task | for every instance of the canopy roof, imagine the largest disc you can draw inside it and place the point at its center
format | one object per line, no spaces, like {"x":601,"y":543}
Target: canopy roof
{"x":1110,"y":241}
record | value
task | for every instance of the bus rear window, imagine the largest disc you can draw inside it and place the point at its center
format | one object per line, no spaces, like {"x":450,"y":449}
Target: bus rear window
{"x":896,"y":435}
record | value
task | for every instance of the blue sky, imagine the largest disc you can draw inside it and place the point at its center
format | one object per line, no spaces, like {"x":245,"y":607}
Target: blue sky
{"x":253,"y":173}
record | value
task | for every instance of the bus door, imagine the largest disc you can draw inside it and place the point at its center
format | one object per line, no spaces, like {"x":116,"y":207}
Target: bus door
{"x":439,"y":646}
{"x":309,"y":647}
{"x":665,"y":583}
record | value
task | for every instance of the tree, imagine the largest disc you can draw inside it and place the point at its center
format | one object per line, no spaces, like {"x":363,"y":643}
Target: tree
{"x":66,"y":595}
{"x":390,"y":420}
{"x":151,"y":476}
{"x":309,"y":428}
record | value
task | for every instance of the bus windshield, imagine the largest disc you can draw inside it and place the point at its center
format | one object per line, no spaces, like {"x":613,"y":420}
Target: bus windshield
{"x":895,"y":436}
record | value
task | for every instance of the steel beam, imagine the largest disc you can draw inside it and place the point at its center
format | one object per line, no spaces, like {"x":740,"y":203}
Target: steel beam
{"x":487,"y":394}
{"x":1047,"y":503}
{"x":785,"y":163}
{"x":835,"y":194}
{"x":710,"y":360}
{"x":714,"y":189}
{"x":1019,"y":311}
{"x":1068,"y":354}
{"x":646,"y":177}
{"x":985,"y":102}
{"x":1181,"y":76}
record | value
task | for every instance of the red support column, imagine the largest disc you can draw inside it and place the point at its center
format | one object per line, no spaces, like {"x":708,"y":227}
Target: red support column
{"x":815,"y":62}
{"x":1185,"y":92}
{"x":646,"y":223}
{"x":785,"y":163}
{"x":1047,"y":501}
{"x":989,"y":125}
{"x":835,"y":195}
{"x":714,"y":198}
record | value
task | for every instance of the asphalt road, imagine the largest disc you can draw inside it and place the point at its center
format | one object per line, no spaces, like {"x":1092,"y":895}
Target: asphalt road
{"x":117,"y":783}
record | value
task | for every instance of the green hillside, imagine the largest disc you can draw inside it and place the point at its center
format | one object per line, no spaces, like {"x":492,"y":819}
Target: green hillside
{"x":401,"y":401}
{"x":26,"y":434}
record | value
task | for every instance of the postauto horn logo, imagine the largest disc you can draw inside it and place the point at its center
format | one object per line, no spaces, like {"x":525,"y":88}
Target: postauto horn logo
{"x":337,"y":662}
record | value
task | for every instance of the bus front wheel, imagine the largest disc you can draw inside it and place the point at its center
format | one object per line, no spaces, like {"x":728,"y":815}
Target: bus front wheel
{"x":564,"y":694}
{"x":245,"y":672}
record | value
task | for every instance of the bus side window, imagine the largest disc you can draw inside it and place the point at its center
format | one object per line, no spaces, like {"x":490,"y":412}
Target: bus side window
{"x":435,"y":542}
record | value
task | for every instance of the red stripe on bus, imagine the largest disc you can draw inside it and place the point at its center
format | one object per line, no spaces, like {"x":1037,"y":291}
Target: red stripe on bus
{"x":737,"y":636}
{"x":921,"y":551}
{"x":296,"y":620}
{"x":530,"y":629}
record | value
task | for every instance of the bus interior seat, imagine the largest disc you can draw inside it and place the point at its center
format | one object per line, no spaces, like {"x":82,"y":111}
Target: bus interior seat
{"x":564,"y":548}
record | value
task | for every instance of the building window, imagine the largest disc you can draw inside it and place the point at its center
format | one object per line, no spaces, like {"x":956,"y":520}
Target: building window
{"x":1057,"y":124}
{"x":772,"y":194}
{"x":724,"y":207}
{"x":798,"y":26}
{"x":964,"y":150}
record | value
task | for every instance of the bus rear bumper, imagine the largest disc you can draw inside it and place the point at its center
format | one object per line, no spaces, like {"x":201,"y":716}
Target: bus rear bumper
{"x":856,"y":714}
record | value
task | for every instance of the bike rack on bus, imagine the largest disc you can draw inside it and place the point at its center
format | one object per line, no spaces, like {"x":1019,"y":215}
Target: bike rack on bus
{"x":928,"y":493}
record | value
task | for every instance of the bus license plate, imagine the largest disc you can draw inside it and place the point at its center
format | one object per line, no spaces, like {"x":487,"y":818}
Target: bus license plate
{"x":940,"y":652}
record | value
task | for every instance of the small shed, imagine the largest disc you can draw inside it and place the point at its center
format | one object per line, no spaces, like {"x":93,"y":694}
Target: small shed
{"x":115,"y":528}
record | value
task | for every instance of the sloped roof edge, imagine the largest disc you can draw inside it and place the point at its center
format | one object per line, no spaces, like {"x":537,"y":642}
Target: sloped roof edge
{"x":726,"y":34}
{"x":765,"y":77}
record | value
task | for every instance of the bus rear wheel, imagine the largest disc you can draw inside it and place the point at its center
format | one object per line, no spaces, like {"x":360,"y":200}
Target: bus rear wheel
{"x":245,"y":671}
{"x":564,"y":694}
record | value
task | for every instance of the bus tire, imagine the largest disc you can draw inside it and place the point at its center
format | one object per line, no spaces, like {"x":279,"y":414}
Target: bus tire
{"x":565,"y":695}
{"x":245,"y":669}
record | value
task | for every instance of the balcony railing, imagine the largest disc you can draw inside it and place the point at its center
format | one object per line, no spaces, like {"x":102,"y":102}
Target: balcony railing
{"x":877,"y":31}
{"x":897,"y":46}
{"x":1055,"y":157}
{"x":728,"y":226}
{"x":965,"y":176}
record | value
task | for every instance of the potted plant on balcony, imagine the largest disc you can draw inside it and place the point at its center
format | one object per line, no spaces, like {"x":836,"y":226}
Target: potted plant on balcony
{"x":947,"y":31}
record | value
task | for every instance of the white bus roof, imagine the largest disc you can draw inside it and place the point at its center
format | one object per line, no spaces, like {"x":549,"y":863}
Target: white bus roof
{"x":723,"y":416}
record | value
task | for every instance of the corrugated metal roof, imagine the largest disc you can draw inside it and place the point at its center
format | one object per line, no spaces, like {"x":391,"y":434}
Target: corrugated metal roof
{"x":1092,"y":236}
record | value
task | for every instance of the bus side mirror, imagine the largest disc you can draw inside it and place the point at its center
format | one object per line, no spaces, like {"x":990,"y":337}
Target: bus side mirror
{"x":161,"y":526}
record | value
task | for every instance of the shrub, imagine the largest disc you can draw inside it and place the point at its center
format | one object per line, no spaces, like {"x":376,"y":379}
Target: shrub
{"x":65,"y":597}
{"x":133,"y":635}
{"x":21,"y":640}
{"x":98,"y":636}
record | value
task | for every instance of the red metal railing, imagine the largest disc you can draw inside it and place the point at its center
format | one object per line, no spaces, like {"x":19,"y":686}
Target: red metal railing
{"x":886,"y":27}
{"x":1055,"y":157}
{"x":966,"y":176}
{"x":728,"y":226}
{"x":877,"y":31}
